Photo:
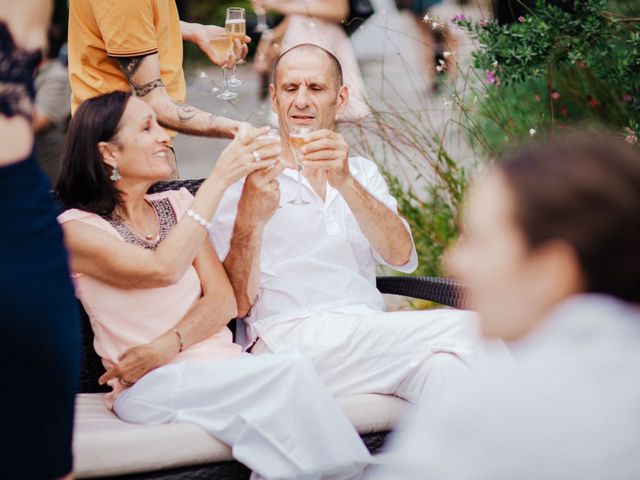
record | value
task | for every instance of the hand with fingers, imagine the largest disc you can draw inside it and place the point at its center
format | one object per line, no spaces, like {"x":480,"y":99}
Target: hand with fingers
{"x":249,"y":151}
{"x":260,"y":197}
{"x":138,"y":361}
{"x":244,"y":129}
{"x":202,"y":35}
{"x":327,"y":150}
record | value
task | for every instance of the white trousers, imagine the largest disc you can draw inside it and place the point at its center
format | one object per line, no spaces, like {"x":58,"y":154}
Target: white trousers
{"x":273,"y":410}
{"x":409,"y":354}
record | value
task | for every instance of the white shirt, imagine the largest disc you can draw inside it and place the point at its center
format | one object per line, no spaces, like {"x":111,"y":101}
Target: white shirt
{"x":568,"y":408}
{"x":314,"y":257}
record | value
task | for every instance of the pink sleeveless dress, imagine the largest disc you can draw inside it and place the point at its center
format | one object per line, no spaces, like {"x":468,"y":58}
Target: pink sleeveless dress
{"x":124,"y":318}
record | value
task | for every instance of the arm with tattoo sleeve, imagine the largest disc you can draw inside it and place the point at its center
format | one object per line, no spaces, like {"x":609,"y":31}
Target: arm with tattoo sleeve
{"x":143,"y":74}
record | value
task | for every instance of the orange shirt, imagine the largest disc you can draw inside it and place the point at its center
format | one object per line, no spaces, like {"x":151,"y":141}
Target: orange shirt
{"x":100,"y":31}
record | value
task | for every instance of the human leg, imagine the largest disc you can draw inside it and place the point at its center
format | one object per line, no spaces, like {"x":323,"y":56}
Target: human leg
{"x":272,"y":410}
{"x":401,"y":353}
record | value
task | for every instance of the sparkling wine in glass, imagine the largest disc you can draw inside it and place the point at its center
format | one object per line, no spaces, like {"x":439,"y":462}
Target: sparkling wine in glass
{"x":261,"y":13}
{"x":236,"y":27}
{"x":222,"y":46}
{"x":296,"y":141}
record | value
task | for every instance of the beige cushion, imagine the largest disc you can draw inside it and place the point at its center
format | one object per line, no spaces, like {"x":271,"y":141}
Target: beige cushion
{"x":105,"y":445}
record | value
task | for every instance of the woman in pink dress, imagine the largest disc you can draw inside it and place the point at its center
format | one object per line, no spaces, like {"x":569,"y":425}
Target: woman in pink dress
{"x":319,"y":22}
{"x":159,"y":299}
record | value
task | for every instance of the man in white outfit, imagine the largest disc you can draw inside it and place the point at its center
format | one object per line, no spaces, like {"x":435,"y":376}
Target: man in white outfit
{"x":304,"y":275}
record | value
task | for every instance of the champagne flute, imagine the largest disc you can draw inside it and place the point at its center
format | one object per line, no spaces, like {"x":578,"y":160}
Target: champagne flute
{"x":296,"y":140}
{"x":261,"y":13}
{"x":236,"y":27}
{"x":222,"y":46}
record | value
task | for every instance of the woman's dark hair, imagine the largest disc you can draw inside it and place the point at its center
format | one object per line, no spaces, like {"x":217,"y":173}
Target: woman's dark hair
{"x":84,"y":181}
{"x":586,"y":192}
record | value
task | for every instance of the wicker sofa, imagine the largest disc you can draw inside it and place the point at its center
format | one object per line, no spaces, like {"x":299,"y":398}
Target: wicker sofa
{"x":107,"y":447}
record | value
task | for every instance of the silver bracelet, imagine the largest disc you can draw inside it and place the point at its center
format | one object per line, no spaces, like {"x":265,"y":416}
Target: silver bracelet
{"x":198,"y":218}
{"x":177,"y":332}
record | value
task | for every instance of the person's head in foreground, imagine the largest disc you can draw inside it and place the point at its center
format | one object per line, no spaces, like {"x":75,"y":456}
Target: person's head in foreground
{"x":548,"y":223}
{"x":307,"y":89}
{"x":549,"y":252}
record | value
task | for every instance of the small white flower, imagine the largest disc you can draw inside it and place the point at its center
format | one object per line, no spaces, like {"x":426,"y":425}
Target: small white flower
{"x":441,"y":62}
{"x":435,"y":25}
{"x":439,"y":69}
{"x":447,"y":102}
{"x":446,"y":54}
{"x":532,"y":132}
{"x":495,"y":64}
{"x":202,"y":75}
{"x":426,"y":18}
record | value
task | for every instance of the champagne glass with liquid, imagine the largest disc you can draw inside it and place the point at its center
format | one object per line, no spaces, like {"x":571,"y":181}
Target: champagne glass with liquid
{"x":222,"y":46}
{"x":296,"y":140}
{"x":236,"y":27}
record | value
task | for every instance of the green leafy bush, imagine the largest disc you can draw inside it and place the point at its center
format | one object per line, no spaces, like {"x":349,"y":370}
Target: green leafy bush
{"x":558,"y":68}
{"x":566,"y":65}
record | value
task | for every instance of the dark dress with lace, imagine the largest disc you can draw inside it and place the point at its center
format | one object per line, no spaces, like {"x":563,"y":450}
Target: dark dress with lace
{"x":40,"y":345}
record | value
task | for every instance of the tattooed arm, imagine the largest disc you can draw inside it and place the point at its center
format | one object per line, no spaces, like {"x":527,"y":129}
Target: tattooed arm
{"x":143,"y":74}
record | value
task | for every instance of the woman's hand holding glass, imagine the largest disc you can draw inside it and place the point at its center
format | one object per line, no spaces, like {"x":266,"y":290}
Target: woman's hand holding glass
{"x":249,"y":151}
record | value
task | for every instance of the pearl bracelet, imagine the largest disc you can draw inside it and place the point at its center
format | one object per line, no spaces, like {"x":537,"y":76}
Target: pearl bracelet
{"x":198,"y":218}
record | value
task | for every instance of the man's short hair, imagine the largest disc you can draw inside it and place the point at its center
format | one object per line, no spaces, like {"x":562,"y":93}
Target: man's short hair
{"x":336,"y":68}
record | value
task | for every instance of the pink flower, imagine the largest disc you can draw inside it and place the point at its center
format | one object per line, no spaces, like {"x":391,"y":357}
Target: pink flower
{"x":484,"y":22}
{"x":627,"y":98}
{"x":631,"y":138}
{"x":458,"y":18}
{"x":593,"y":102}
{"x":491,"y":77}
{"x":521,"y":19}
{"x":537,"y":97}
{"x":555,"y":95}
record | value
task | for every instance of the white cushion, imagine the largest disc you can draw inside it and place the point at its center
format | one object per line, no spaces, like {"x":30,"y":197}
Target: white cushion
{"x":105,"y":445}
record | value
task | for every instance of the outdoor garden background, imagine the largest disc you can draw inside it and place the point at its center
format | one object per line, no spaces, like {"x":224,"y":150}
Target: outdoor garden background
{"x":546,"y":68}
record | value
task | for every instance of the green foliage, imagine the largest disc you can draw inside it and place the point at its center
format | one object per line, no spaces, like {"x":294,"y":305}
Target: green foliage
{"x":432,"y":217}
{"x":573,"y":66}
{"x":558,"y":69}
{"x":411,"y":155}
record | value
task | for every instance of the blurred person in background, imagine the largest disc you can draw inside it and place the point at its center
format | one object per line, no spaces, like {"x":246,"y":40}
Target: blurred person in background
{"x":52,"y":109}
{"x":549,"y":252}
{"x":317,"y":22}
{"x":38,"y":310}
